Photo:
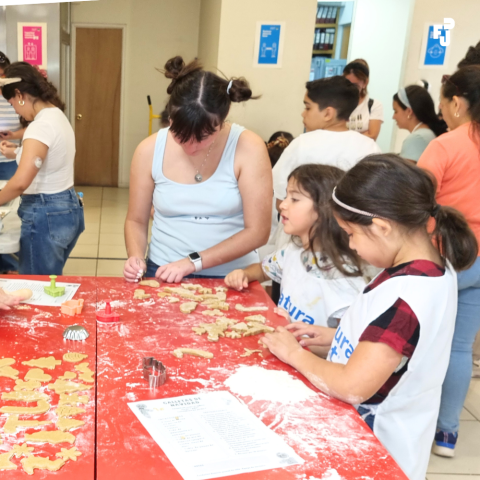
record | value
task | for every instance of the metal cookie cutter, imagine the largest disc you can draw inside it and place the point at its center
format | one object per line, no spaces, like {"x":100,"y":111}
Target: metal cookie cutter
{"x":154,"y":372}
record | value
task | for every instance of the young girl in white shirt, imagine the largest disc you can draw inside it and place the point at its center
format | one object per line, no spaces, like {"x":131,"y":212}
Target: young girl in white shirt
{"x":390,"y":353}
{"x":318,"y":272}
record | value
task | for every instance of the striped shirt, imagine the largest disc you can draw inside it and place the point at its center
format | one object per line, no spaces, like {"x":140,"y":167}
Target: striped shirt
{"x":9,"y":120}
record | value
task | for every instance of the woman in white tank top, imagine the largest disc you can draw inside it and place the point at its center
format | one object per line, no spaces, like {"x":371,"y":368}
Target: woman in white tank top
{"x":210,"y":183}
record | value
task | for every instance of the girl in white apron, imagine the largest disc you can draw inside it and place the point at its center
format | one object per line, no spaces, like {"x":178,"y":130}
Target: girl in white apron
{"x":319,"y":274}
{"x":391,"y":350}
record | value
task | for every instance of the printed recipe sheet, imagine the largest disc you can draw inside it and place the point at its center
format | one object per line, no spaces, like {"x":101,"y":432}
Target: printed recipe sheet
{"x":212,"y":435}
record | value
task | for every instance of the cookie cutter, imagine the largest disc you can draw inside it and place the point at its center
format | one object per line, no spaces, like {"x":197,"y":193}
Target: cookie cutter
{"x":75,"y":332}
{"x":154,"y":372}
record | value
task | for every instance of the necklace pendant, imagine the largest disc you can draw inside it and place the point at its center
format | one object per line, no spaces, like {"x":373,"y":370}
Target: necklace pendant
{"x":198,"y":178}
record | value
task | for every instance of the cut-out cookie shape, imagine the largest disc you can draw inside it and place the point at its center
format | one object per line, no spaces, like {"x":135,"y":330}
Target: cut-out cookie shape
{"x":173,"y":300}
{"x":32,"y":462}
{"x":72,"y":399}
{"x":226,"y":321}
{"x":5,"y":463}
{"x":192,"y":286}
{"x":38,"y":374}
{"x":149,"y":283}
{"x":22,"y":450}
{"x":164,"y":294}
{"x":213,"y":313}
{"x":6,"y":362}
{"x":242,"y":308}
{"x":43,"y":362}
{"x":140,"y":294}
{"x":239,"y":327}
{"x":65,"y":386}
{"x":214,"y":330}
{"x":83,"y":367}
{"x":68,"y":376}
{"x":204,"y":291}
{"x":25,"y":396}
{"x":13,"y":423}
{"x":52,"y":436}
{"x":42,"y":407}
{"x":188,"y":307}
{"x":249,"y":352}
{"x":65,"y":424}
{"x":30,"y":385}
{"x":255,"y":318}
{"x":71,"y":454}
{"x":218,"y":305}
{"x":258,"y":329}
{"x":221,"y":289}
{"x":180,"y":352}
{"x":74,"y":357}
{"x":65,"y":411}
{"x":233,"y":335}
{"x":87,"y":374}
{"x":9,"y":372}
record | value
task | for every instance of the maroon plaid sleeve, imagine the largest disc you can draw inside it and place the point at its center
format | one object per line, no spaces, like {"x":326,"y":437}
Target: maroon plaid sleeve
{"x":397,"y":327}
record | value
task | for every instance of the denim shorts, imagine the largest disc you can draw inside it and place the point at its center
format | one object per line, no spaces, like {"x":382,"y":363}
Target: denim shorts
{"x":51,"y":225}
{"x":152,"y":268}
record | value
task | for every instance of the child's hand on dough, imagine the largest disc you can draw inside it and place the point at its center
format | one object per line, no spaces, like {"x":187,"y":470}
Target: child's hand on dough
{"x":237,"y":280}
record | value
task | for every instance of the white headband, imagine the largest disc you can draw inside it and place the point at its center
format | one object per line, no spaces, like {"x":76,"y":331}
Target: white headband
{"x":351,"y":209}
{"x":8,"y":81}
{"x":229,"y":86}
{"x":402,"y":96}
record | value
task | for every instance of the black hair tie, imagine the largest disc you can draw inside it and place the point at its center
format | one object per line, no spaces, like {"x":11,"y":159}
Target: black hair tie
{"x":435,"y":210}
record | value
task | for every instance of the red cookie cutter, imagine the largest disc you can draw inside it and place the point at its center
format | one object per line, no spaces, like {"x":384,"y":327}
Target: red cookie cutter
{"x":107,"y":315}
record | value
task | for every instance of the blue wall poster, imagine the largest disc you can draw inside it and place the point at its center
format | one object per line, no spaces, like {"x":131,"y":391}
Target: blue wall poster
{"x":269,"y":44}
{"x":433,"y":53}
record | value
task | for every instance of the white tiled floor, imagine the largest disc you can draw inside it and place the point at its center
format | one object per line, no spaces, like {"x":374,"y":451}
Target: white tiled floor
{"x":100,"y":251}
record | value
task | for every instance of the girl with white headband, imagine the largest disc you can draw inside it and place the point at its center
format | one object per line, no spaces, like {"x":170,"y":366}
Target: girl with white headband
{"x":390,"y":353}
{"x":414,"y":111}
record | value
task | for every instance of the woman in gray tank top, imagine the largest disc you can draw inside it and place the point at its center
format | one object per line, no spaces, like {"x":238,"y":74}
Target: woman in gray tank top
{"x":210,"y":183}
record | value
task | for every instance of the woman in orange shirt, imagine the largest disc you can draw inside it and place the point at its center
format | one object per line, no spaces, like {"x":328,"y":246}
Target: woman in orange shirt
{"x":454,"y":160}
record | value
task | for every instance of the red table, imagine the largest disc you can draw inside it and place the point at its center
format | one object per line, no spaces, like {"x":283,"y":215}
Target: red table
{"x":28,"y":332}
{"x":327,"y":433}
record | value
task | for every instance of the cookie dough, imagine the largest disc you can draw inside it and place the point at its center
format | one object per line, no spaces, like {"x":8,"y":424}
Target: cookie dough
{"x":72,"y":399}
{"x":221,"y":289}
{"x":204,"y":291}
{"x":217,"y":305}
{"x":249,"y":352}
{"x":5,"y":463}
{"x":25,"y":396}
{"x":52,"y":436}
{"x":68,"y":376}
{"x":257,"y":330}
{"x":32,"y":462}
{"x":164,"y":294}
{"x":192,"y":286}
{"x":188,"y":307}
{"x":180,"y":352}
{"x":233,"y":335}
{"x":87,"y":374}
{"x":173,"y":300}
{"x":13,"y":423}
{"x":212,"y":313}
{"x":42,"y":407}
{"x":239,"y":327}
{"x":74,"y":357}
{"x":65,"y":411}
{"x":43,"y":362}
{"x":22,"y":450}
{"x":71,"y":454}
{"x":38,"y":375}
{"x":30,"y":385}
{"x":6,"y":362}
{"x":64,"y":386}
{"x":242,"y":308}
{"x":65,"y":424}
{"x":213,"y":330}
{"x":255,"y":318}
{"x":140,"y":294}
{"x":9,"y":372}
{"x":149,"y":283}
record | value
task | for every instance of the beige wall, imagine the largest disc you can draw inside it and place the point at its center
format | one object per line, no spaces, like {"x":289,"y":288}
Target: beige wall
{"x":155,"y":31}
{"x":282,"y":89}
{"x":466,"y":33}
{"x":209,"y":33}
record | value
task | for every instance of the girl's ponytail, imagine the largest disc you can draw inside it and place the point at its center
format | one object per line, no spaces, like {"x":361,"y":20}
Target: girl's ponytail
{"x":454,"y":238}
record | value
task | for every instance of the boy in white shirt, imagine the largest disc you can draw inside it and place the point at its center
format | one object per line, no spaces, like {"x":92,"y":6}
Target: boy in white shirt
{"x":329,"y":103}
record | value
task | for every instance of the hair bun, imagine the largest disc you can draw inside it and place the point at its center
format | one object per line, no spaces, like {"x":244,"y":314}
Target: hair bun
{"x":173,"y":67}
{"x":240,"y":90}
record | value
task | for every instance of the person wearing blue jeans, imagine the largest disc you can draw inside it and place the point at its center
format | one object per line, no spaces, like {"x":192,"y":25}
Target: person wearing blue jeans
{"x":459,"y":373}
{"x":51,"y":225}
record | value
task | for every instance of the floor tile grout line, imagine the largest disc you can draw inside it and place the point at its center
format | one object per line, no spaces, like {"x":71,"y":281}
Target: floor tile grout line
{"x":99,"y":229}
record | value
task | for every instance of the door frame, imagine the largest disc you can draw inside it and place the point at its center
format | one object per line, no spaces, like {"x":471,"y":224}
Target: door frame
{"x":121,"y":137}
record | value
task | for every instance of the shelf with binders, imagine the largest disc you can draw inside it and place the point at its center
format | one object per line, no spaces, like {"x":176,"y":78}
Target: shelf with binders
{"x":324,"y":41}
{"x":325,"y":25}
{"x":323,"y":52}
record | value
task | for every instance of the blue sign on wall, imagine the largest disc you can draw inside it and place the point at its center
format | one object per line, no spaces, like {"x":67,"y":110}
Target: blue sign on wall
{"x":269,"y":44}
{"x":434,"y":52}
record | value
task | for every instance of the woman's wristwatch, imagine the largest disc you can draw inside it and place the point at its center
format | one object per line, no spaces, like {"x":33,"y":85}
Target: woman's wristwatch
{"x":196,"y":259}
